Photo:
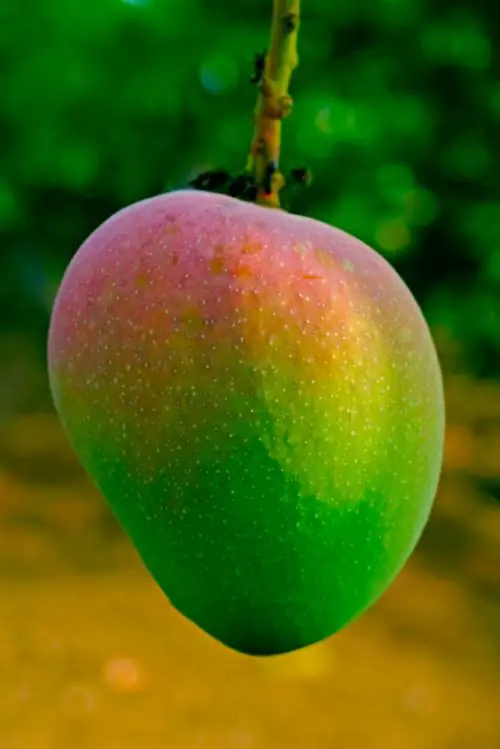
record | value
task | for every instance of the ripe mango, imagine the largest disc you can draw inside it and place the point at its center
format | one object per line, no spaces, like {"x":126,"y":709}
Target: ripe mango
{"x":258,"y":397}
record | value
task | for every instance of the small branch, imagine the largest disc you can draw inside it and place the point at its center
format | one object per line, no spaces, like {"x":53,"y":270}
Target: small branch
{"x":274,"y":102}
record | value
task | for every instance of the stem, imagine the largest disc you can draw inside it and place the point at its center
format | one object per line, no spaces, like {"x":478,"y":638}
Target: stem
{"x":274,"y":103}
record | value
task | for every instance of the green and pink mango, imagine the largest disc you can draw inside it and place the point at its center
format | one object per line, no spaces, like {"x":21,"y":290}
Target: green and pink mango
{"x":258,"y":397}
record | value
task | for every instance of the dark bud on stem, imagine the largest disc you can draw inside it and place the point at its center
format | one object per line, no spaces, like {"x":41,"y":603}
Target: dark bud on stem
{"x":210,"y":181}
{"x":243,"y":187}
{"x":301,"y":176}
{"x":290,"y":22}
{"x":267,"y":184}
{"x":297,"y":178}
{"x":258,"y":69}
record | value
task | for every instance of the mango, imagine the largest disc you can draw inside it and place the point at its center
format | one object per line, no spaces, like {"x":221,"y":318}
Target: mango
{"x":258,"y":397}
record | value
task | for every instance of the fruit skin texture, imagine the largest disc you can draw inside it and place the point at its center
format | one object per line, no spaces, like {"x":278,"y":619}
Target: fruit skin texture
{"x":258,"y":397}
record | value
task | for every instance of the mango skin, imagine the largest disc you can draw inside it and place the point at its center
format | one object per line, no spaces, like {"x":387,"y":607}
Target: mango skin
{"x":258,"y":397}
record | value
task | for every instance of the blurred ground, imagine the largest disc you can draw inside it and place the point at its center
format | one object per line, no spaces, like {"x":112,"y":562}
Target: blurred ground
{"x":93,"y":657}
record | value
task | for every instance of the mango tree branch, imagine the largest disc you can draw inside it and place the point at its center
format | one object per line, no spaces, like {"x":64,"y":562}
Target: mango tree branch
{"x":274,"y":102}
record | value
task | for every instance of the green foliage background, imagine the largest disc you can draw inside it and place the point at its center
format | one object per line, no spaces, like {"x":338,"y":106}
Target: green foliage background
{"x":397,"y":113}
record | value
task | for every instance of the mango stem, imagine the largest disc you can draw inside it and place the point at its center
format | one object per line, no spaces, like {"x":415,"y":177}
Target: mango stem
{"x":274,"y":103}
